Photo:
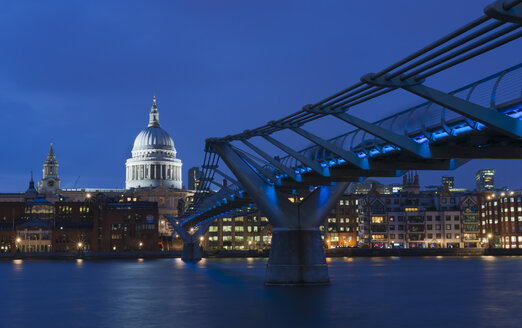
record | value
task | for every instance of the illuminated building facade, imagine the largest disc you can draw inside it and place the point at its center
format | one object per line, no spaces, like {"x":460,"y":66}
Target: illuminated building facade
{"x":414,"y":219}
{"x":97,"y":224}
{"x":485,"y":180}
{"x":501,"y":219}
{"x":449,"y":181}
{"x":254,"y":232}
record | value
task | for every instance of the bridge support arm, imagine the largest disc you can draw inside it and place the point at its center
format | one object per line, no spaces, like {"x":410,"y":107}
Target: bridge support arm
{"x":273,"y":162}
{"x":489,"y":117}
{"x":192,"y":251}
{"x":421,"y":150}
{"x":346,"y":155}
{"x":296,"y":253}
{"x":300,"y":157}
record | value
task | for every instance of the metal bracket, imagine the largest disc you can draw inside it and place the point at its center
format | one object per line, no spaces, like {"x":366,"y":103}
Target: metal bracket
{"x":280,"y":125}
{"x":497,"y":11}
{"x":385,"y":81}
{"x":322,"y":110}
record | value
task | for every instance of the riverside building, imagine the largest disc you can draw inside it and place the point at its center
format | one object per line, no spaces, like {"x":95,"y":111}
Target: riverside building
{"x":254,"y":232}
{"x":152,"y":174}
{"x":99,"y":223}
{"x":501,"y":219}
{"x":415,"y":219}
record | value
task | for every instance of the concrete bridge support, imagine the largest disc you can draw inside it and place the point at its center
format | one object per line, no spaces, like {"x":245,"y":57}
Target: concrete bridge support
{"x":192,"y":251}
{"x":297,"y":253}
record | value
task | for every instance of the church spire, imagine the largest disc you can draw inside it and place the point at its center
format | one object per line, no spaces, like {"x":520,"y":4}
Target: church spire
{"x":31,"y":191}
{"x":51,"y":157}
{"x":154,"y":115}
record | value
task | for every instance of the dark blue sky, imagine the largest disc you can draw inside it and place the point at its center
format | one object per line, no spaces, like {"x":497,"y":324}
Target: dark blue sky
{"x":82,"y":74}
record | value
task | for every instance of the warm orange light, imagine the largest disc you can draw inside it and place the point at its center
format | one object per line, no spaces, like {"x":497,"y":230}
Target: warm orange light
{"x":18,"y":240}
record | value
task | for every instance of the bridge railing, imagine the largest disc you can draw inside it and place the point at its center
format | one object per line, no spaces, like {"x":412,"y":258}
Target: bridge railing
{"x":422,"y":121}
{"x":427,"y":122}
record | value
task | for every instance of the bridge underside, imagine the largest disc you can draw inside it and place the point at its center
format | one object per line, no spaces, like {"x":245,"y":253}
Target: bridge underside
{"x":482,"y":120}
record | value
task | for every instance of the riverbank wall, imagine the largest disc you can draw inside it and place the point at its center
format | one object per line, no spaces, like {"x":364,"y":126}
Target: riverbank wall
{"x":337,"y":252}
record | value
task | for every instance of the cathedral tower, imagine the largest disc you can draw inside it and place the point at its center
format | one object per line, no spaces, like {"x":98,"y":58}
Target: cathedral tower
{"x":50,"y":182}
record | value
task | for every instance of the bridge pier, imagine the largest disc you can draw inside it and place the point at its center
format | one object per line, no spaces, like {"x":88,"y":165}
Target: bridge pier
{"x":191,"y":252}
{"x":296,"y":253}
{"x":296,"y":258}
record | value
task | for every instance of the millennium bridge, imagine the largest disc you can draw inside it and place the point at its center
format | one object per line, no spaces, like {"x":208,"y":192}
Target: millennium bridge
{"x":445,"y":131}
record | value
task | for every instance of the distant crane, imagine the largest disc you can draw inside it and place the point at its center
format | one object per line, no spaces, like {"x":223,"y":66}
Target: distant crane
{"x":76,"y":182}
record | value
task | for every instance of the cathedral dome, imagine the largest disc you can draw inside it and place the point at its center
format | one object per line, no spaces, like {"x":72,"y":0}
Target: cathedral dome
{"x":153,"y":138}
{"x":153,"y":162}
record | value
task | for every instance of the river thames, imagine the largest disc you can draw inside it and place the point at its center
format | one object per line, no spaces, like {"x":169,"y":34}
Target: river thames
{"x":364,"y":292}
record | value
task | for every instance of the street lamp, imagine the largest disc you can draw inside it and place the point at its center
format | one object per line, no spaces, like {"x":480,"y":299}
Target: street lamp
{"x":140,"y":245}
{"x":18,"y":241}
{"x":489,"y":239}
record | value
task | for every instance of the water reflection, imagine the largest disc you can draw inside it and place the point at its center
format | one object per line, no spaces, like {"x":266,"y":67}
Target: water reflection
{"x":18,"y":265}
{"x":369,"y":292}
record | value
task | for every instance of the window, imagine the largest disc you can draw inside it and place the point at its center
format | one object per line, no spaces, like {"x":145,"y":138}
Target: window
{"x":438,"y":227}
{"x":457,"y":236}
{"x":429,"y":218}
{"x":456,"y":218}
{"x":377,"y":219}
{"x":448,"y":217}
{"x":391,"y":219}
{"x":392,"y":227}
{"x":457,"y":226}
{"x":392,"y":236}
{"x":448,"y":226}
{"x":430,"y":235}
{"x":448,"y":236}
{"x":401,"y":236}
{"x":430,"y":227}
{"x":401,"y":218}
{"x":239,"y":229}
{"x":227,"y":228}
{"x":438,"y":235}
{"x":400,"y":227}
{"x":437,"y":218}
